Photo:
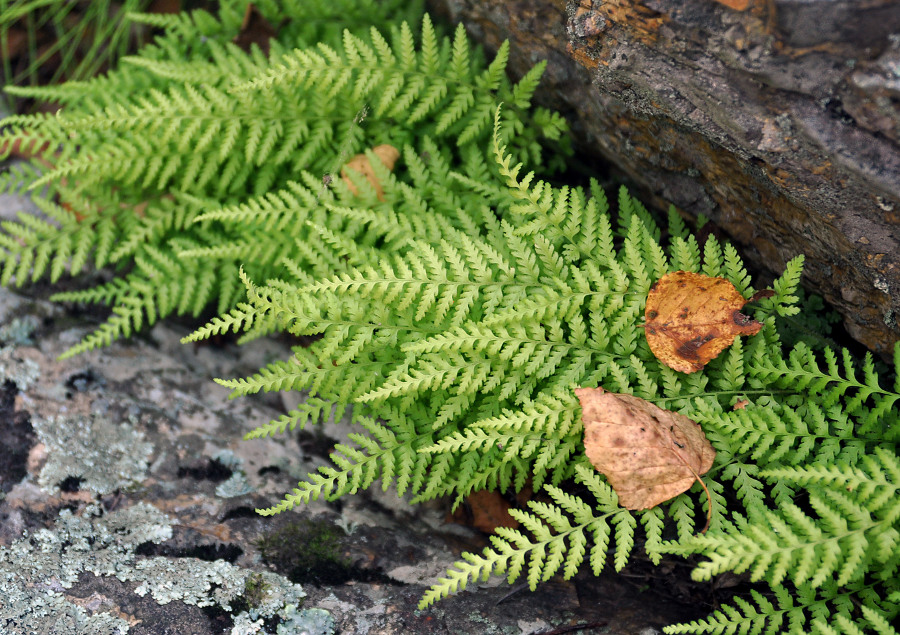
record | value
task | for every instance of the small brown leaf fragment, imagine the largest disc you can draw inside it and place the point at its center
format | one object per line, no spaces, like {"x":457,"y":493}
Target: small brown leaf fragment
{"x":762,"y":293}
{"x":737,"y":5}
{"x":647,"y":454}
{"x":485,"y":511}
{"x":255,"y":29}
{"x":360,"y":163}
{"x":691,"y":318}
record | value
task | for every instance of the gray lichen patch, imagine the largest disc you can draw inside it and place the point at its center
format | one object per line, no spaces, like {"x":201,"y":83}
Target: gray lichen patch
{"x":23,"y":372}
{"x":103,"y":456}
{"x":237,"y":484}
{"x":295,"y":622}
{"x":188,"y":580}
{"x":36,"y":571}
{"x":51,"y":613}
{"x":18,"y":331}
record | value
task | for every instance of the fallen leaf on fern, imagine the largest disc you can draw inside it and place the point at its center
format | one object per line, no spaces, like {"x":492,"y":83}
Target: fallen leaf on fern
{"x":647,"y":454}
{"x":360,"y":163}
{"x":691,"y":318}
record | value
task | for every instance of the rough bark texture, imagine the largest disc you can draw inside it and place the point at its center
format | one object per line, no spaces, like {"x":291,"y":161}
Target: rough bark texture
{"x":777,"y":119}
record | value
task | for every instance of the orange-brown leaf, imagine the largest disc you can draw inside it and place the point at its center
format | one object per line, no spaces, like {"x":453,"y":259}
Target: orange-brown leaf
{"x":647,"y":454}
{"x":737,"y":5}
{"x":691,"y":318}
{"x":485,"y":511}
{"x":360,"y":163}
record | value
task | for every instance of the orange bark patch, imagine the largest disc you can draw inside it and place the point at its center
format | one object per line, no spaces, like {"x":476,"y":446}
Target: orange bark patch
{"x":691,"y":318}
{"x":647,"y":454}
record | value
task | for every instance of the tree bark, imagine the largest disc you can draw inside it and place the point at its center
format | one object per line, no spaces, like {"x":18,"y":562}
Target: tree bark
{"x":777,"y":119}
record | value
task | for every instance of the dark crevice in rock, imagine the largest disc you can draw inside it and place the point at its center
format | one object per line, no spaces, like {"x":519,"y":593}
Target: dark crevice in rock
{"x":315,"y":443}
{"x":210,"y":470}
{"x":220,"y":620}
{"x":84,"y":380}
{"x":208,"y":552}
{"x":70,"y":484}
{"x":240,"y":512}
{"x":269,"y":469}
{"x":316,"y":552}
{"x":17,"y":435}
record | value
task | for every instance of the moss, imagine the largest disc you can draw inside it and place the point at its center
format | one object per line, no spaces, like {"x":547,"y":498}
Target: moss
{"x":308,"y":551}
{"x":255,"y":589}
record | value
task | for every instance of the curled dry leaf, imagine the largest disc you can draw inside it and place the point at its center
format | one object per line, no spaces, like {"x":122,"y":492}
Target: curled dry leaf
{"x":647,"y":454}
{"x":360,"y":163}
{"x":691,"y":318}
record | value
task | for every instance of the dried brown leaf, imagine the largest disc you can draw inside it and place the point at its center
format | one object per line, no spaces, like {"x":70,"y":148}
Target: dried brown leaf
{"x":691,"y":318}
{"x":647,"y":454}
{"x":737,"y":5}
{"x":360,"y":163}
{"x":485,"y":511}
{"x":255,"y":29}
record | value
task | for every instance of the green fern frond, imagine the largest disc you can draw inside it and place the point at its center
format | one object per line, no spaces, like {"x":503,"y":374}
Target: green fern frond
{"x":557,"y":542}
{"x":851,"y":534}
{"x":794,"y":612}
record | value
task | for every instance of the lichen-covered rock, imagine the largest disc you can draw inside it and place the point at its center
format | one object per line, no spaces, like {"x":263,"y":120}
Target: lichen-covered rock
{"x":100,"y":455}
{"x":779,"y":122}
{"x":37,"y":571}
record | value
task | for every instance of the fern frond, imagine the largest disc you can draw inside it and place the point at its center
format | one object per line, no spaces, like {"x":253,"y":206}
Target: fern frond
{"x":852,"y":534}
{"x":556,"y":542}
{"x":385,"y":453}
{"x":826,"y":610}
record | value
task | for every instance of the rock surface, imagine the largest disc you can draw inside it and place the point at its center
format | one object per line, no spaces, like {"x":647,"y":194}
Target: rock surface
{"x":777,"y":119}
{"x":127,"y":504}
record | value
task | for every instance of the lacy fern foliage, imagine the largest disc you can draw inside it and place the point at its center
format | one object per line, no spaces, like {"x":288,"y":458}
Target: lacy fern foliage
{"x":457,"y":347}
{"x":133,"y":169}
{"x":454,"y":311}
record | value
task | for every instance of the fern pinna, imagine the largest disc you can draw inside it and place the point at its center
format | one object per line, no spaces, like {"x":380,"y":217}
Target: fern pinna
{"x":125,"y":171}
{"x":453,"y":330}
